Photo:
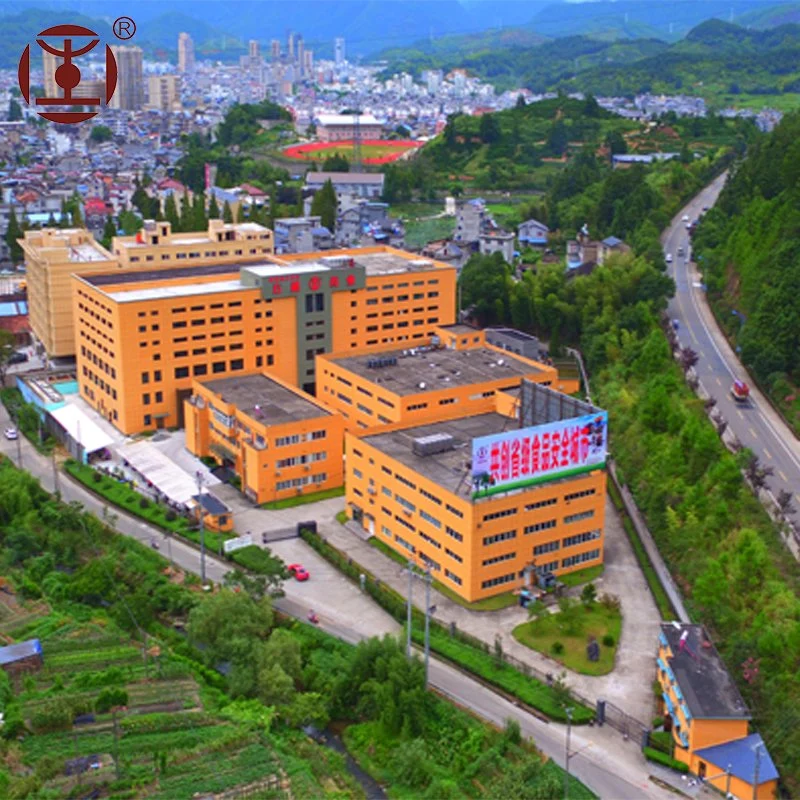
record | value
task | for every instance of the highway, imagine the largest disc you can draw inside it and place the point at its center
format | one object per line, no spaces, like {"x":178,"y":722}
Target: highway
{"x":755,"y":423}
{"x":612,"y":767}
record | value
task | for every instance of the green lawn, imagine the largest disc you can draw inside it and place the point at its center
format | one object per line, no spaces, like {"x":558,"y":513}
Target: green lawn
{"x":582,"y":576}
{"x":304,"y":499}
{"x":419,"y":233}
{"x":542,"y":633}
{"x":495,"y":603}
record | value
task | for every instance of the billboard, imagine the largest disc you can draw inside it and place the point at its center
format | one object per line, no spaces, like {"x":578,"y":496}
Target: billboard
{"x":231,"y":545}
{"x":525,"y":456}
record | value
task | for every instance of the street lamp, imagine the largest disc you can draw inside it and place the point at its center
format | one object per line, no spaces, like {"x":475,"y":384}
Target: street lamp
{"x":199,"y":478}
{"x":566,"y":766}
{"x":742,"y":319}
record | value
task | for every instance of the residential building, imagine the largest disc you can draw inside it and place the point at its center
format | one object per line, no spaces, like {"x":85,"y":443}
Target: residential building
{"x":185,"y":53}
{"x":611,"y":246}
{"x":222,"y":243}
{"x":497,"y":241}
{"x":14,"y":317}
{"x":470,"y":217}
{"x":415,"y":487}
{"x":342,"y":127}
{"x":51,"y":256}
{"x":350,"y":187}
{"x":129,"y":95}
{"x":50,"y":64}
{"x":179,"y":323}
{"x":708,"y":717}
{"x":21,"y":658}
{"x":584,"y":253}
{"x":280,"y":441}
{"x":296,"y":234}
{"x":163,"y":92}
{"x":454,"y":372}
{"x":275,"y":49}
{"x":339,"y":50}
{"x":533,"y":233}
{"x":519,"y":342}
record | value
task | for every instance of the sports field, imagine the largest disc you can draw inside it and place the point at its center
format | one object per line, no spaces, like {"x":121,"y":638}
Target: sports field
{"x":373,"y":151}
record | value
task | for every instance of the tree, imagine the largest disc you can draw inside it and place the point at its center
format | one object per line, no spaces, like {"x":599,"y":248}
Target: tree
{"x":14,"y":111}
{"x":520,"y":101}
{"x":589,"y":595}
{"x":484,"y":285}
{"x":616,"y":144}
{"x":324,"y":205}
{"x":109,"y":232}
{"x":6,"y":349}
{"x":213,"y":207}
{"x":688,"y":358}
{"x":129,"y":222}
{"x":336,"y":163}
{"x":282,"y":648}
{"x":274,"y":686}
{"x":14,"y":232}
{"x":307,"y":708}
{"x":558,"y":138}
{"x":227,"y":214}
{"x":171,"y":212}
{"x":101,"y":133}
{"x":489,"y":129}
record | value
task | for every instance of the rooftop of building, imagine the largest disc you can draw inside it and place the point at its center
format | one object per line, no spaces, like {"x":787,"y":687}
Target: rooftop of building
{"x":706,"y":685}
{"x":432,"y":370}
{"x":386,"y":263}
{"x":740,"y":756}
{"x":449,"y":469}
{"x":79,"y":245}
{"x":346,"y":119}
{"x":512,"y":333}
{"x":189,"y":238}
{"x":376,"y":178}
{"x":265,"y":400}
{"x":459,"y":327}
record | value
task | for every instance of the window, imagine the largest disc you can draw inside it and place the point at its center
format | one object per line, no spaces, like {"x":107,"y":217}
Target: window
{"x":580,"y":538}
{"x":157,"y":375}
{"x":578,"y":517}
{"x":547,"y":547}
{"x":551,"y":501}
{"x":453,"y":510}
{"x":409,"y":506}
{"x":506,"y":512}
{"x":499,"y":537}
{"x":218,"y":366}
{"x":200,"y":369}
{"x":453,"y":577}
{"x":430,"y":518}
{"x":454,"y":556}
{"x":576,"y":495}
{"x":148,"y":420}
{"x":181,"y":372}
{"x":237,"y":364}
{"x":179,"y":324}
{"x":405,"y":482}
{"x":580,"y":558}
{"x":497,"y":559}
{"x":417,"y":406}
{"x":498,"y":581}
{"x":403,"y":543}
{"x":146,"y":399}
{"x":358,"y":473}
{"x":452,"y":532}
{"x":430,"y":497}
{"x":448,"y":401}
{"x":430,"y":540}
{"x":145,"y":377}
{"x":540,"y":526}
{"x":159,"y":397}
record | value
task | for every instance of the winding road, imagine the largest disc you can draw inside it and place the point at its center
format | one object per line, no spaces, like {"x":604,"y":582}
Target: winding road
{"x":756,"y":423}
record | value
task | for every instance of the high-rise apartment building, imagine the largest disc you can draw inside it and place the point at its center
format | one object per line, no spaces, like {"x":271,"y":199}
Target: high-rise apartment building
{"x":338,"y":50}
{"x":51,"y":256}
{"x":185,"y":53}
{"x":290,"y":47}
{"x":49,"y":64}
{"x":308,"y":63}
{"x":275,"y":50}
{"x":301,"y":51}
{"x":163,"y":92}
{"x":214,"y":320}
{"x":253,"y":49}
{"x":129,"y":95}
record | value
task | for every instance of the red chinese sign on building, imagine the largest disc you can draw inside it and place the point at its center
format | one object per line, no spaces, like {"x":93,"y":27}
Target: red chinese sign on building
{"x":531,"y":455}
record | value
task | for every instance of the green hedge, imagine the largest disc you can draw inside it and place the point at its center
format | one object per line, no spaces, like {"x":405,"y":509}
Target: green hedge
{"x":465,"y":651}
{"x":256,"y":560}
{"x":662,"y":758}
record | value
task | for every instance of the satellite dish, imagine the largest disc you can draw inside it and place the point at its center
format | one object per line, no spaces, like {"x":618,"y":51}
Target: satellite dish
{"x":422,"y":384}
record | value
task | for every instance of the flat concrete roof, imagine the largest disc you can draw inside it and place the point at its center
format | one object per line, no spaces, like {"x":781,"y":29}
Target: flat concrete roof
{"x":438,"y":369}
{"x":460,"y":327}
{"x":184,"y":290}
{"x":265,"y":400}
{"x":450,"y":469}
{"x":378,"y":263}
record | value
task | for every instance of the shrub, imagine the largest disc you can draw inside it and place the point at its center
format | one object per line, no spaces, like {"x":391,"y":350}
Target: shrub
{"x":97,"y":477}
{"x":589,"y":594}
{"x":665,"y":760}
{"x":610,"y":602}
{"x":608,"y":640}
{"x":170,"y":516}
{"x":108,"y":698}
{"x":260,"y":561}
{"x":144,"y":503}
{"x":512,"y":732}
{"x":557,"y":648}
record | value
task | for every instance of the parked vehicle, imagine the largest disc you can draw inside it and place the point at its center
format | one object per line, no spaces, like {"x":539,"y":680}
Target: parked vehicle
{"x":668,"y":258}
{"x":11,"y":433}
{"x":312,"y":617}
{"x":17,"y":358}
{"x":740,"y":391}
{"x":299,"y":572}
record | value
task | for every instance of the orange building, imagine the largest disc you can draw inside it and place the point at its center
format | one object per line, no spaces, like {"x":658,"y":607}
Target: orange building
{"x":452,"y":373}
{"x":416,"y":488}
{"x":279,"y":440}
{"x":143,"y":336}
{"x":708,"y":717}
{"x":222,"y":243}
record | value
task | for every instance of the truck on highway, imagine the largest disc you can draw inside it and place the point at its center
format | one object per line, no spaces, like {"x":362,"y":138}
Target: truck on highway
{"x":740,"y":391}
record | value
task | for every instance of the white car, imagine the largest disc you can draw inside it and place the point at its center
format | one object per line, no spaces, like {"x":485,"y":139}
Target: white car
{"x":668,"y":259}
{"x":685,"y":217}
{"x":11,"y":433}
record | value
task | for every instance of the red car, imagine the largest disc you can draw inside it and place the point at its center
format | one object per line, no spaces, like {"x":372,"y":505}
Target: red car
{"x":299,"y":571}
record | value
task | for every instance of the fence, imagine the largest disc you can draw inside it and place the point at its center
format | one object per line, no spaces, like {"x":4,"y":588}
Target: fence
{"x":619,"y":720}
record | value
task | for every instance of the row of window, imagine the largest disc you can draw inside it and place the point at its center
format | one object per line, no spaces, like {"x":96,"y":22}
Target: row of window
{"x":294,"y":461}
{"x":296,"y":438}
{"x":497,"y":559}
{"x":197,"y":254}
{"x":550,"y":501}
{"x":305,"y":480}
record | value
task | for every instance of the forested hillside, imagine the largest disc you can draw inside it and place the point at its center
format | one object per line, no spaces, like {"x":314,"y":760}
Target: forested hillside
{"x":748,"y":246}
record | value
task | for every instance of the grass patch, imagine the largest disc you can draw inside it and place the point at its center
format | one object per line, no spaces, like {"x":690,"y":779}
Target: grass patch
{"x":582,"y":575}
{"x":304,"y":499}
{"x":121,"y":495}
{"x":571,"y":629}
{"x":662,"y":758}
{"x":659,"y":595}
{"x":420,"y":232}
{"x":375,"y":542}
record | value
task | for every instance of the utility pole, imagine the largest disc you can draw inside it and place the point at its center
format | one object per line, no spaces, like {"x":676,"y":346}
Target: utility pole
{"x":566,"y":766}
{"x":728,"y":771}
{"x":428,"y":611}
{"x":56,"y":487}
{"x":757,"y":750}
{"x":410,"y":571}
{"x":199,"y":477}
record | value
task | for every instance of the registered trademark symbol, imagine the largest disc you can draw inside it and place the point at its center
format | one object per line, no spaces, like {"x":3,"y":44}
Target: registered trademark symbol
{"x":124,"y":28}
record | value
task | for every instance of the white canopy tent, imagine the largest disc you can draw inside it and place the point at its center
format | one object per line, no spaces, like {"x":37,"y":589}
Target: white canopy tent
{"x":163,"y":473}
{"x":81,"y":428}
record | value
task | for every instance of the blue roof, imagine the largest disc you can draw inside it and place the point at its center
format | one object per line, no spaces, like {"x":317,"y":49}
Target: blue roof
{"x":612,"y":241}
{"x":211,"y":505}
{"x":16,"y":652}
{"x":534,"y":239}
{"x":320,"y":231}
{"x":740,"y":754}
{"x":13,"y":309}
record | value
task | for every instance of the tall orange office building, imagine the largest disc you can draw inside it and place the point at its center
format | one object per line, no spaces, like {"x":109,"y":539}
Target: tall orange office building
{"x":453,"y":373}
{"x":535,"y":511}
{"x":143,"y":336}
